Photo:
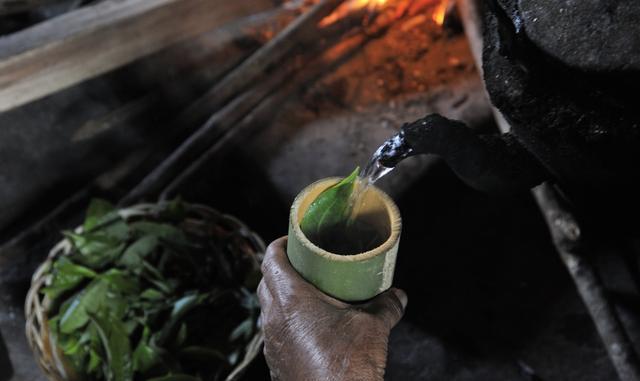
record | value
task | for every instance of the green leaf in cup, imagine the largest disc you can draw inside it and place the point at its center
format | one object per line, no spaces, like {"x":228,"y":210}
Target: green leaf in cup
{"x":331,"y":209}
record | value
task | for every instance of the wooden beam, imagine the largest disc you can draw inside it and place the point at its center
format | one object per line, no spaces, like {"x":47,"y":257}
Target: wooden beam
{"x":90,"y":41}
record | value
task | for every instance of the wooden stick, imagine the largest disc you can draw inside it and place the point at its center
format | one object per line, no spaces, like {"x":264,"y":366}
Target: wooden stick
{"x":261,"y":114}
{"x":92,"y":40}
{"x":217,"y":125}
{"x":248,"y":72}
{"x":119,"y":117}
{"x":297,"y":32}
{"x":574,"y":251}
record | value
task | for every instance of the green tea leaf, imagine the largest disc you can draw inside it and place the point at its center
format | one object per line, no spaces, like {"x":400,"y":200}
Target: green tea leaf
{"x":165,"y":232}
{"x":66,"y":276}
{"x":97,"y":210}
{"x":121,"y":282}
{"x":181,"y":337}
{"x":69,"y":344}
{"x":233,"y":357}
{"x":98,"y":295}
{"x":180,"y":309}
{"x":145,"y":355}
{"x":94,"y":361}
{"x":103,"y":217}
{"x":330,"y":209}
{"x":75,"y":346}
{"x":116,"y":346}
{"x":95,"y":250}
{"x":75,"y":313}
{"x":79,"y":356}
{"x":134,"y":254}
{"x":152,"y":294}
{"x":116,"y":228}
{"x":244,"y":330}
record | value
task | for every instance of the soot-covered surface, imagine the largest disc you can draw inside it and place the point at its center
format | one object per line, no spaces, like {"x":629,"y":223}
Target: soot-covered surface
{"x":598,"y":35}
{"x":488,"y":297}
{"x":584,"y":126}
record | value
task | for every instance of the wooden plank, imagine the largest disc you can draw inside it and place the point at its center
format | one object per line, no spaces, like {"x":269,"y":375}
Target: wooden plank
{"x":90,"y":41}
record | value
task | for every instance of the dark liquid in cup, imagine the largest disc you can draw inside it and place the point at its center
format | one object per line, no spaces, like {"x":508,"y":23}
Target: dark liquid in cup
{"x":349,"y":239}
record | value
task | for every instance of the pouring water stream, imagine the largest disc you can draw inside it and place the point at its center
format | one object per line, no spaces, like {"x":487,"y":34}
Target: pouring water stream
{"x":393,"y":150}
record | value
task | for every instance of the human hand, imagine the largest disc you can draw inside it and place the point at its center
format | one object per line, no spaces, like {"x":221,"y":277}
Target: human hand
{"x":311,"y":336}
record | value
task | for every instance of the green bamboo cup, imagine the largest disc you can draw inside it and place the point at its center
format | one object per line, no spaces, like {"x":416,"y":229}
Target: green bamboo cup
{"x":351,"y":278}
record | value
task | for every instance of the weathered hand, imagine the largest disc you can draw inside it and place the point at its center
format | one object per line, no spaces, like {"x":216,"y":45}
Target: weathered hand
{"x":311,"y":336}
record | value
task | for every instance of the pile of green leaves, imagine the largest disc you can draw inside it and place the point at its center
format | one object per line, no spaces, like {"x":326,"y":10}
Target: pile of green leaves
{"x":146,"y":299}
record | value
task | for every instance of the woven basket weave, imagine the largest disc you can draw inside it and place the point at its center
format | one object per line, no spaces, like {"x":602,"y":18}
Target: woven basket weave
{"x":199,"y":219}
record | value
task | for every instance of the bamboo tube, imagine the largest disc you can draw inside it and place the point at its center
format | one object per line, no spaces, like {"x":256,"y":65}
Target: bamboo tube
{"x":351,"y":278}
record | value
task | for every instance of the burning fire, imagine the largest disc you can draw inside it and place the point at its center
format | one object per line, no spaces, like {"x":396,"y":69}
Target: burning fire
{"x":440,"y":12}
{"x":350,"y":6}
{"x":438,"y":16}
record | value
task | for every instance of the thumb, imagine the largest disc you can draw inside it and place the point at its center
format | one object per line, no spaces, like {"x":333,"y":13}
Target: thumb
{"x":389,"y":306}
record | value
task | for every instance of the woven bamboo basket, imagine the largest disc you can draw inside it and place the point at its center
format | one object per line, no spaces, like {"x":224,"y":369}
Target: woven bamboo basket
{"x":200,"y":219}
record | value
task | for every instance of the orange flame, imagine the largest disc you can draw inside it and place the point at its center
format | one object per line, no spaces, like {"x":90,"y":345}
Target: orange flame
{"x":350,"y":6}
{"x":440,"y":12}
{"x":402,"y":6}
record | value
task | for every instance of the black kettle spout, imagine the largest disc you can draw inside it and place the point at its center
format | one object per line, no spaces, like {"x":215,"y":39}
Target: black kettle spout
{"x":488,"y":162}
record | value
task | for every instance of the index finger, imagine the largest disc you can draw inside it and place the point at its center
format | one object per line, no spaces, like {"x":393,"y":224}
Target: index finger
{"x":278,"y":274}
{"x":285,"y":283}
